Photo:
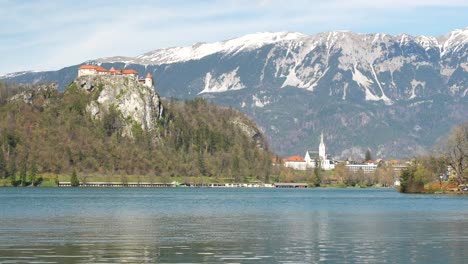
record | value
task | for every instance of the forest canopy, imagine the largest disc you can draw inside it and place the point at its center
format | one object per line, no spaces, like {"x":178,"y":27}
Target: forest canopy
{"x":50,"y":132}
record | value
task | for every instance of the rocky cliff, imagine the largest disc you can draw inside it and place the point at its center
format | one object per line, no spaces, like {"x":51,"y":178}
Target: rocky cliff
{"x":138,"y":104}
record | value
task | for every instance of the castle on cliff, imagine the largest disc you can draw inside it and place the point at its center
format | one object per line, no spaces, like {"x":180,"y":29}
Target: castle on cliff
{"x":85,"y":70}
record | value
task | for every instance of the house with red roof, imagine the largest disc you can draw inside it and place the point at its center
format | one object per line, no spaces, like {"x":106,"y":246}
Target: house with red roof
{"x":91,"y":70}
{"x":295,"y":162}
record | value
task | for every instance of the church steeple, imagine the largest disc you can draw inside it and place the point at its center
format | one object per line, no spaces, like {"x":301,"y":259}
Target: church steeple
{"x":322,"y":148}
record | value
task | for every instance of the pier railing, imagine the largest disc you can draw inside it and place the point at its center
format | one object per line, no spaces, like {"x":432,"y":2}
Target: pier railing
{"x":188,"y":184}
{"x":119,"y":184}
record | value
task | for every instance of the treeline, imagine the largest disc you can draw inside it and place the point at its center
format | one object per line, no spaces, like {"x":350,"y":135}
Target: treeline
{"x":384,"y":176}
{"x":449,"y":158}
{"x":53,"y":134}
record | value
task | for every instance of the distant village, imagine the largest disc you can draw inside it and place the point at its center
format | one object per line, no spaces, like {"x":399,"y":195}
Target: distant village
{"x":324,"y":161}
{"x":86,"y":70}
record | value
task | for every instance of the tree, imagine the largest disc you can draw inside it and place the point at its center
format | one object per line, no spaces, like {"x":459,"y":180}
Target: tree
{"x":111,"y":121}
{"x":386,"y":175}
{"x":201,"y":165}
{"x":124,"y":180}
{"x":12,"y":170}
{"x":33,"y":174}
{"x":412,"y":179}
{"x":341,"y":173}
{"x":435,"y":166}
{"x":457,"y":151}
{"x":74,"y":182}
{"x":23,"y":172}
{"x":368,"y":155}
{"x":3,"y":168}
{"x":317,"y":172}
{"x":236,"y":168}
{"x":360,"y":177}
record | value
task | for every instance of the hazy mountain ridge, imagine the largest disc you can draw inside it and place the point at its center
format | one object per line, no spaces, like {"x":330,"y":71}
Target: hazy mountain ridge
{"x":386,"y":83}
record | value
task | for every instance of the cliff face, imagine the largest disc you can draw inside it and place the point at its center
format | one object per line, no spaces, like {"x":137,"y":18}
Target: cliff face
{"x":137,"y":104}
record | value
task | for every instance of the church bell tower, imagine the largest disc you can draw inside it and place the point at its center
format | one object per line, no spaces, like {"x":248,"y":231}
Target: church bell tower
{"x":322,"y":148}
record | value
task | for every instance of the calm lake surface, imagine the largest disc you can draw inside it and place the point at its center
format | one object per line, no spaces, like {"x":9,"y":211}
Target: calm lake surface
{"x":241,"y":225}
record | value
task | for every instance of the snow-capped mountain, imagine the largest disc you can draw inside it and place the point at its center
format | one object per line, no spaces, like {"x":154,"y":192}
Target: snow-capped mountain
{"x":362,"y":90}
{"x":374,"y":62}
{"x":200,"y":50}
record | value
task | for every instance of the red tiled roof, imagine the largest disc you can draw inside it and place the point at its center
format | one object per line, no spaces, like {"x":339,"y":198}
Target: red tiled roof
{"x":149,"y":75}
{"x":294,"y":159}
{"x":100,"y":69}
{"x":92,"y":67}
{"x":87,"y":67}
{"x":130,"y":71}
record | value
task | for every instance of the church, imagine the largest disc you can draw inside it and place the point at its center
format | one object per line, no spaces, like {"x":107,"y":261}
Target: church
{"x":311,"y":159}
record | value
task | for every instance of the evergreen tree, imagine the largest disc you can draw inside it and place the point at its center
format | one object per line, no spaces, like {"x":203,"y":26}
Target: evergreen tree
{"x":411,"y":180}
{"x":74,"y":182}
{"x":201,"y":165}
{"x":368,"y":155}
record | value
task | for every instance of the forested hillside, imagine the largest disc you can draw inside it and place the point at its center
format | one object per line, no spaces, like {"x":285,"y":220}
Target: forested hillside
{"x":45,"y":131}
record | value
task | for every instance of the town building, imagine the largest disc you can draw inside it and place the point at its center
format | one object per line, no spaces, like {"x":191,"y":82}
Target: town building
{"x":366,"y":167}
{"x":311,"y":159}
{"x":86,"y":70}
{"x":295,"y":162}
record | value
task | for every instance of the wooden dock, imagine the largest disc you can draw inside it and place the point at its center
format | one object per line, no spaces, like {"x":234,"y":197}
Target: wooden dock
{"x":228,"y":185}
{"x":187,"y":184}
{"x":290,"y":185}
{"x":120,"y":184}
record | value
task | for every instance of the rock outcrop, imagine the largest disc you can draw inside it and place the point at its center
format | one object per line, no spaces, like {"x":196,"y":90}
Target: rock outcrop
{"x":28,"y":95}
{"x":138,"y":104}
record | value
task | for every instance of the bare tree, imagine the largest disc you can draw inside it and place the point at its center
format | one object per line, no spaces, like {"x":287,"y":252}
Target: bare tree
{"x":457,"y":151}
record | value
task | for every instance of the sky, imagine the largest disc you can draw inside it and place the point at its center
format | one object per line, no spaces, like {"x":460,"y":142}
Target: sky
{"x":44,"y":35}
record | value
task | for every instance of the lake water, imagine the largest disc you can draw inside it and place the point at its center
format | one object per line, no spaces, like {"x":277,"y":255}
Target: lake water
{"x":242,"y":225}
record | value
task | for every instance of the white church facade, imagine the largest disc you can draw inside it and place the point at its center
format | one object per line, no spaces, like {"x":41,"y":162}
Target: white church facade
{"x":311,"y":159}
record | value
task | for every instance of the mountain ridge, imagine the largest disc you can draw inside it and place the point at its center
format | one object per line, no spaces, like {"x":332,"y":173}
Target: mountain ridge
{"x":261,"y":37}
{"x":392,"y":85}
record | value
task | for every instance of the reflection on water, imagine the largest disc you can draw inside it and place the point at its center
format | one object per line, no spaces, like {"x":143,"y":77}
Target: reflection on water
{"x":230,"y":226}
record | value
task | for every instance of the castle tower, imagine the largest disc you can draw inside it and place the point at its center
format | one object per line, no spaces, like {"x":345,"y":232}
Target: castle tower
{"x":322,"y":148}
{"x":149,"y":80}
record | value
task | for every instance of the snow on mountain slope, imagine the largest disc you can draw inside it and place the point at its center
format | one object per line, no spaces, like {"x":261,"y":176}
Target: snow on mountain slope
{"x":223,"y":83}
{"x":14,"y":74}
{"x":374,"y":67}
{"x":200,"y":50}
{"x":454,"y":41}
{"x":379,"y":66}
